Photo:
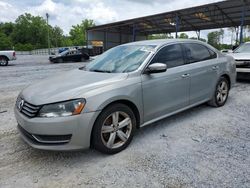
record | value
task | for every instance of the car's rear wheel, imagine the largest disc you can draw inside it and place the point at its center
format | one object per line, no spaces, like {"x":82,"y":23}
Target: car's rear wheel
{"x":221,"y":93}
{"x":3,"y":61}
{"x":114,"y":129}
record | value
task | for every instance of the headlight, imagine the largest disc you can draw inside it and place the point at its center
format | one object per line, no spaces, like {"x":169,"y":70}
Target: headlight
{"x":62,"y":109}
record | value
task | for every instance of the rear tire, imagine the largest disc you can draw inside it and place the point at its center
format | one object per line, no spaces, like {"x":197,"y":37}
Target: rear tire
{"x":221,"y":93}
{"x":114,"y":129}
{"x":4,"y":61}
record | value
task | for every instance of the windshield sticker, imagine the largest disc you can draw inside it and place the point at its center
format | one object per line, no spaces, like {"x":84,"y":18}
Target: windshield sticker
{"x":147,"y":49}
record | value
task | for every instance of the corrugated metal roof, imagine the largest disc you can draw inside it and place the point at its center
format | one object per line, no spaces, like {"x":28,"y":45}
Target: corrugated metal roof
{"x":209,"y":16}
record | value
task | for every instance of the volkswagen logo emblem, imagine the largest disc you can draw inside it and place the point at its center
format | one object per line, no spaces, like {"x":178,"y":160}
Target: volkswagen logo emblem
{"x":20,"y":105}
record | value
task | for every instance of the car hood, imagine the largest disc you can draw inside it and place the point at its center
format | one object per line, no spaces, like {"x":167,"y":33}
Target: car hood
{"x":240,"y":56}
{"x":68,"y":85}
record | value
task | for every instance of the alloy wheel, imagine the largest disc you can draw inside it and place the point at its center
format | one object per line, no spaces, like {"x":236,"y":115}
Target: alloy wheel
{"x":222,"y":92}
{"x":3,"y":61}
{"x":116,"y":129}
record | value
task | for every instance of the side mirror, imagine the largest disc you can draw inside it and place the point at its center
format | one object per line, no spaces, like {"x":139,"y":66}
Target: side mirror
{"x":156,"y":68}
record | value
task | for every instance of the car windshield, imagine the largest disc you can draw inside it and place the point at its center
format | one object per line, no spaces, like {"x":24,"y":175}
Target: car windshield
{"x":121,"y":59}
{"x":244,"y":48}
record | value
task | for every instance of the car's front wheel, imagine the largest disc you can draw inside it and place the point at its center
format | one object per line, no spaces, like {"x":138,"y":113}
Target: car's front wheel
{"x":221,"y":93}
{"x":3,"y":61}
{"x":113,"y":129}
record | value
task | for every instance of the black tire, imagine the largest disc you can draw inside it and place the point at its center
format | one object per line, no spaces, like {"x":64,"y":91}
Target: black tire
{"x":220,"y":101}
{"x":98,"y":138}
{"x":83,"y":59}
{"x":60,"y":60}
{"x":4,"y":61}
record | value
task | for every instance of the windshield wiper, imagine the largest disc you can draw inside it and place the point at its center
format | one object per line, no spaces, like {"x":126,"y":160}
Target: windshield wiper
{"x":96,"y":70}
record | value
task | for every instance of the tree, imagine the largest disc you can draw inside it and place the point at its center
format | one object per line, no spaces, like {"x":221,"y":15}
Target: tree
{"x":30,"y":29}
{"x":57,"y":38}
{"x":214,"y":39}
{"x":7,"y":28}
{"x":5,"y":42}
{"x":183,"y":36}
{"x":78,"y":32}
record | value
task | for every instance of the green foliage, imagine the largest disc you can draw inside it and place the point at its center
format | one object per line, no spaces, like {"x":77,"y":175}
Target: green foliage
{"x":24,"y":47}
{"x":78,"y":32}
{"x":225,"y":46}
{"x":214,"y":38}
{"x":247,"y":39}
{"x":5,"y":42}
{"x":183,"y":36}
{"x":31,"y":32}
{"x":57,"y":38}
{"x":201,"y":39}
{"x":30,"y":29}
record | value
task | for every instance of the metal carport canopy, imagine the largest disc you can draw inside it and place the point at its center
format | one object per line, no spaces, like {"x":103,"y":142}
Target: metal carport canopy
{"x":232,"y":13}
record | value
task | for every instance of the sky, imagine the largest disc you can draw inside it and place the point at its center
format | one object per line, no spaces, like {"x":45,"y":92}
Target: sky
{"x":65,"y":13}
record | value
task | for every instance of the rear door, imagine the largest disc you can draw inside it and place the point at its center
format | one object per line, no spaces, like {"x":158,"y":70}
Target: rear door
{"x":204,"y":67}
{"x":168,"y":91}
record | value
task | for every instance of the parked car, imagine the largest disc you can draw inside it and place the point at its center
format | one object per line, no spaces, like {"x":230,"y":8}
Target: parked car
{"x":242,"y":55}
{"x":69,"y":56}
{"x":60,"y":50}
{"x":6,"y":56}
{"x":127,"y":87}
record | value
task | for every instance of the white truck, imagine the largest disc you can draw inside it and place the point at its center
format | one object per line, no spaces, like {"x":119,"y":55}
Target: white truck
{"x":6,"y":56}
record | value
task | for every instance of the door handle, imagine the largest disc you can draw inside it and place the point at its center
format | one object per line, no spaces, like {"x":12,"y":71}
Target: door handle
{"x":215,"y":67}
{"x":185,"y":75}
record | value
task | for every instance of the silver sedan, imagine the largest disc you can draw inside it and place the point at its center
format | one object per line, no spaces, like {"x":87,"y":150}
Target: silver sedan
{"x":127,"y":87}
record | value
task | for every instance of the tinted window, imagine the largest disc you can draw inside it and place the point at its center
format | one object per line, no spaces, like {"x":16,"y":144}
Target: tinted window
{"x":197,"y":52}
{"x":170,"y":55}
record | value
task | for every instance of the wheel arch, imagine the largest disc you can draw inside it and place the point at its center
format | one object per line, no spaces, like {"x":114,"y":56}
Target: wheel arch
{"x":228,"y":79}
{"x":126,"y":102}
{"x":5,"y":57}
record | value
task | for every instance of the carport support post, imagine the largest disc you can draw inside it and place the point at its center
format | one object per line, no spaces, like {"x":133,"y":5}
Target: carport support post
{"x":134,"y":33}
{"x":105,"y":40}
{"x":242,"y":23}
{"x":176,"y":26}
{"x":87,"y":38}
{"x":198,"y":33}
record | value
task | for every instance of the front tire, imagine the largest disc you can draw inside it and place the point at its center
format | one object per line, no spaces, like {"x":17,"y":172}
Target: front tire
{"x":114,"y":129}
{"x":221,"y":93}
{"x":4,"y":61}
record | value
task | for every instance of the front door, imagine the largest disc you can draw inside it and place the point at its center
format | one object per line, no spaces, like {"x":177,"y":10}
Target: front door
{"x":166,"y":92}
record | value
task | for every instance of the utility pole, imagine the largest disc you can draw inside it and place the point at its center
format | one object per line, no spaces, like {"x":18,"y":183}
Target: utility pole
{"x":47,"y":16}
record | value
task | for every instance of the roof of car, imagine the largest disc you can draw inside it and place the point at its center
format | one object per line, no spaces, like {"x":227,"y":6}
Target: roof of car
{"x":160,"y":42}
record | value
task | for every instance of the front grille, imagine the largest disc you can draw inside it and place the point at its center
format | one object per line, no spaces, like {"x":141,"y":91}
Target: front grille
{"x":26,"y":108}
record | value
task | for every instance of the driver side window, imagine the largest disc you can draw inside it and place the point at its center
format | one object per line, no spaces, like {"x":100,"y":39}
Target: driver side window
{"x":170,"y":55}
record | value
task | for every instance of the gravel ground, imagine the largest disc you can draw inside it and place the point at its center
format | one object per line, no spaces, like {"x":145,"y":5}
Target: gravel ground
{"x":201,"y":147}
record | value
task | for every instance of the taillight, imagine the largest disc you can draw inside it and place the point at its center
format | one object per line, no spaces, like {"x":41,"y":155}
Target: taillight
{"x":14,"y":54}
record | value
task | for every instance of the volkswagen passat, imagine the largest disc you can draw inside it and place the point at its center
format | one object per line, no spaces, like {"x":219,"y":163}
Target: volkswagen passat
{"x":127,"y":87}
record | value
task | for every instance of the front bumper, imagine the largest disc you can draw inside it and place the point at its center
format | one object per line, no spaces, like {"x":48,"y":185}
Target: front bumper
{"x":60,"y":134}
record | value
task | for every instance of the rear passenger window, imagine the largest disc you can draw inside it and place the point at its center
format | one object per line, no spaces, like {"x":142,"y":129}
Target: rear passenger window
{"x":197,"y":52}
{"x":170,"y":55}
